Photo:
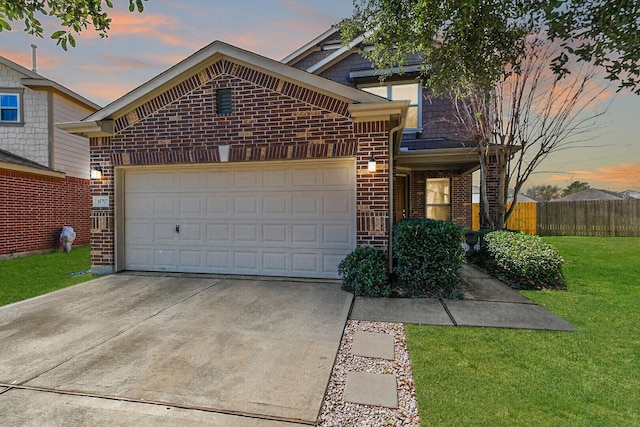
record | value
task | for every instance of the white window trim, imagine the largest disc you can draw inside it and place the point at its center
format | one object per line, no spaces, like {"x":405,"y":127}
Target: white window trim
{"x":18,"y":93}
{"x":426,"y":196}
{"x":402,"y":82}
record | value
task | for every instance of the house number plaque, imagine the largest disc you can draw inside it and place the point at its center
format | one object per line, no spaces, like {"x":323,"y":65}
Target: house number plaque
{"x":100,"y":201}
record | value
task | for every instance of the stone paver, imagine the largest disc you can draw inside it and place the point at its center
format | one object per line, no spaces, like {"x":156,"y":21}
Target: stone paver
{"x":371,"y":344}
{"x":371,"y":389}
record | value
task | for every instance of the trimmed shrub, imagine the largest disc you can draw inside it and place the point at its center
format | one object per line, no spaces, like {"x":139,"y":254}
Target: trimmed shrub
{"x":524,"y":261}
{"x":428,"y":254}
{"x":364,"y":272}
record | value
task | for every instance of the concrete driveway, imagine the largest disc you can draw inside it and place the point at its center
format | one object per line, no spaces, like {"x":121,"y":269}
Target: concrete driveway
{"x":143,"y":350}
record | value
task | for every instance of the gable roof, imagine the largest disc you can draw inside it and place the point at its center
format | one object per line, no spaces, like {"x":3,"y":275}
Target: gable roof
{"x":312,"y":46}
{"x":101,"y":122}
{"x":591,"y":194}
{"x":36,"y":81}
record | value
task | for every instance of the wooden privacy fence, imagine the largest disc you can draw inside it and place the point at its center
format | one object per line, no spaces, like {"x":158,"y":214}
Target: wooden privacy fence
{"x":590,"y":218}
{"x":575,"y":218}
{"x":523,"y":217}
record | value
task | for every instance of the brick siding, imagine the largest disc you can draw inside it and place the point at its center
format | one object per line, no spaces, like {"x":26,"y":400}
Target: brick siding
{"x":271,"y":120}
{"x":34,"y":208}
{"x":461,"y":187}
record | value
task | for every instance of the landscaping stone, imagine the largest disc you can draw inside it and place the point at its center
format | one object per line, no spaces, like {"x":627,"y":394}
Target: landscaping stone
{"x":371,"y":344}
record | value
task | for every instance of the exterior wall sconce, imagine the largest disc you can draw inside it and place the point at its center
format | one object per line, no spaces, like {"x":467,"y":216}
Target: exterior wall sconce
{"x":223,"y":152}
{"x":373,"y":166}
{"x":96,"y":172}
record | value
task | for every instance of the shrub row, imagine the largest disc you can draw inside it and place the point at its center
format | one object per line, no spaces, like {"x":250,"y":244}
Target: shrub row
{"x":427,"y":255}
{"x":522,"y":261}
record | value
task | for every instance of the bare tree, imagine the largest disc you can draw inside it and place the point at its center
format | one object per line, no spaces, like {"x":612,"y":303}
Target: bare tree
{"x":529,"y":115}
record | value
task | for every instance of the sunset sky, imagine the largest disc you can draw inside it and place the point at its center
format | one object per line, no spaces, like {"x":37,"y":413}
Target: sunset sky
{"x":140,"y":46}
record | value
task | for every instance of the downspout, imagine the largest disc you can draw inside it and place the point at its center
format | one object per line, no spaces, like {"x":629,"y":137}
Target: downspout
{"x":392,"y":152}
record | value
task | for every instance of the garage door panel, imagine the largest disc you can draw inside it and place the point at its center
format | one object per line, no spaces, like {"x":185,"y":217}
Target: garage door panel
{"x":338,"y":177}
{"x":337,"y":235}
{"x":165,"y":181}
{"x":165,"y":259}
{"x":276,"y":204}
{"x":191,"y":233}
{"x":275,"y":233}
{"x":304,"y":234}
{"x":306,"y":205}
{"x":339,"y":205}
{"x":275,"y":263}
{"x":304,"y":263}
{"x":246,"y":205}
{"x":192,"y":207}
{"x":139,"y":258}
{"x":165,"y":206}
{"x":251,"y":179}
{"x":304,"y":177}
{"x":191,"y":259}
{"x":246,"y":233}
{"x":275,"y":178}
{"x":191,"y":180}
{"x":218,"y":234}
{"x":290,"y":219}
{"x":217,"y":179}
{"x":218,"y":261}
{"x":246,"y":260}
{"x":141,"y":231}
{"x":218,"y":205}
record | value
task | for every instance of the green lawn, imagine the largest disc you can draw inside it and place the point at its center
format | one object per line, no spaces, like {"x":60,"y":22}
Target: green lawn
{"x":499,"y":377}
{"x":30,"y":276}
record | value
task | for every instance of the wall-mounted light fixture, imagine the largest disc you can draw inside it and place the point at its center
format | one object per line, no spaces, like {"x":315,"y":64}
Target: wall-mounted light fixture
{"x":373,"y":166}
{"x":96,"y":172}
{"x":223,"y":151}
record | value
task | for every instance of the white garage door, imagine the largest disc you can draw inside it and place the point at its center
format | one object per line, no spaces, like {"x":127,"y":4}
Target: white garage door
{"x":283,"y":219}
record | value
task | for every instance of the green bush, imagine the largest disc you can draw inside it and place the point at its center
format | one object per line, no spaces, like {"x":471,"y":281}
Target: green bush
{"x":364,"y":272}
{"x":524,"y":261}
{"x":428,"y":255}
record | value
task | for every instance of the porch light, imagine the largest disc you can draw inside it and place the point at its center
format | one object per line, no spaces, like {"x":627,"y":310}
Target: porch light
{"x":223,"y":152}
{"x":373,"y":166}
{"x":96,"y":172}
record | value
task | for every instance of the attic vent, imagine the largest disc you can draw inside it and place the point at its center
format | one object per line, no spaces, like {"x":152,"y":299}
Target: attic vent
{"x":224,"y":101}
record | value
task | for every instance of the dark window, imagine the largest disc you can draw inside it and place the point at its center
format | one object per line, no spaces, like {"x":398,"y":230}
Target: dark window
{"x":224,"y":101}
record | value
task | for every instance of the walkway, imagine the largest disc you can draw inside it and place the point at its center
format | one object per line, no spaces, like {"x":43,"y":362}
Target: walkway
{"x":488,"y":303}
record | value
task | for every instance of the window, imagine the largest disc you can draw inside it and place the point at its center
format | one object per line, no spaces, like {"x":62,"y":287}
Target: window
{"x":10,"y":108}
{"x":402,"y":92}
{"x":224,"y":101}
{"x":439,"y":199}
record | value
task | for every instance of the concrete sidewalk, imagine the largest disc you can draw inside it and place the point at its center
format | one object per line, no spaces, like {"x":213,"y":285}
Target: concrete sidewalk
{"x":487,"y":303}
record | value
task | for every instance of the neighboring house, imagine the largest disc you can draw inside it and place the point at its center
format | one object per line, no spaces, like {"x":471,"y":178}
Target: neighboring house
{"x":44,"y":172}
{"x":631,"y":194}
{"x":230,"y":162}
{"x":590,"y":194}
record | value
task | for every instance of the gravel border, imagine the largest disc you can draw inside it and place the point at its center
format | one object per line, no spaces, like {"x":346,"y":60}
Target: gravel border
{"x":336,"y":412}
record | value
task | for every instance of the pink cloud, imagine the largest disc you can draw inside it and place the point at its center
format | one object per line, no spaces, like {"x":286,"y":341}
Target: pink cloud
{"x":622,"y":175}
{"x":107,"y":91}
{"x":24,"y":58}
{"x":160,"y":27}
